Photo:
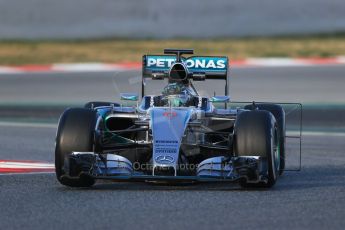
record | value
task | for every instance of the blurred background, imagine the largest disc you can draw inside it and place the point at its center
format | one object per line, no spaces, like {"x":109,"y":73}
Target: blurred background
{"x":52,"y":53}
{"x":48,"y":31}
{"x":85,"y":19}
{"x":60,"y":49}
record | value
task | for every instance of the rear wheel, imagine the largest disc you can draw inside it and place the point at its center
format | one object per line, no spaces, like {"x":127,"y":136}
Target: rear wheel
{"x":279,"y":114}
{"x":256,"y":135}
{"x":75,"y":133}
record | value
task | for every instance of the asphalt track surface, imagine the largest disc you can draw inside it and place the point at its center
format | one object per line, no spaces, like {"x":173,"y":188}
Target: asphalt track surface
{"x":316,"y":84}
{"x":311,"y":199}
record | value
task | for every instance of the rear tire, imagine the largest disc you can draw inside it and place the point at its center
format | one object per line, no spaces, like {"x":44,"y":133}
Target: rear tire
{"x":279,"y":114}
{"x":75,"y":133}
{"x":256,"y":135}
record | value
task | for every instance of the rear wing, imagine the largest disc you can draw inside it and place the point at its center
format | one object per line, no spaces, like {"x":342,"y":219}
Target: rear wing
{"x":200,"y":67}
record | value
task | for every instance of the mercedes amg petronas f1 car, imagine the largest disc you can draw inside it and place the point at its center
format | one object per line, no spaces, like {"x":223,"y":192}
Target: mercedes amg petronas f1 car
{"x":177,"y":136}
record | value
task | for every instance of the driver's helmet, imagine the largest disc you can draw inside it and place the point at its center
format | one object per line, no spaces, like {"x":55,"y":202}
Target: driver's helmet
{"x":176,"y":95}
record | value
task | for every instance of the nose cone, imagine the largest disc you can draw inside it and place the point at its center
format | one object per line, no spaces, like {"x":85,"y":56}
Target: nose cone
{"x":168,"y":126}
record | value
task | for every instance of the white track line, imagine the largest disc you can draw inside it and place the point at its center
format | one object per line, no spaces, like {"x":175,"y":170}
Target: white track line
{"x":275,"y":62}
{"x":27,"y":124}
{"x":25,"y":173}
{"x":317,"y":133}
{"x":25,"y":165}
{"x":7,"y":70}
{"x":85,"y":67}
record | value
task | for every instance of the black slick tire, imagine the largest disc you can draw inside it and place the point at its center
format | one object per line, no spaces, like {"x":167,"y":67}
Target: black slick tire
{"x":75,"y":133}
{"x":279,"y":114}
{"x":255,"y":135}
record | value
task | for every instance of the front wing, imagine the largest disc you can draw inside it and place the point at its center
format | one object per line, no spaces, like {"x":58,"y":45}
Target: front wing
{"x":117,"y":168}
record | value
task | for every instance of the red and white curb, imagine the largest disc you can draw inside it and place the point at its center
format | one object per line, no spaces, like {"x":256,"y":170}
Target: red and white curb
{"x":76,"y":67}
{"x":104,"y":67}
{"x":25,"y":167}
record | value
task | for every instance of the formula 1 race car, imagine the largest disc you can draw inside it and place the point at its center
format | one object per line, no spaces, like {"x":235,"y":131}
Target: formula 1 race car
{"x":177,"y":136}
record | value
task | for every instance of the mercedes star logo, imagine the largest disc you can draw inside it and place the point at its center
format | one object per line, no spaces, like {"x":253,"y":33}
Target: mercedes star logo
{"x":164,"y":159}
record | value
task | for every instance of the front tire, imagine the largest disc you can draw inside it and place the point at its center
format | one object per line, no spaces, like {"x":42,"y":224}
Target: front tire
{"x":75,"y":133}
{"x":279,"y":114}
{"x":256,"y":135}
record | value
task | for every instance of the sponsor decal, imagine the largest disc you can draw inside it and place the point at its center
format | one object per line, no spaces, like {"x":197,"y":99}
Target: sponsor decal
{"x":164,"y":159}
{"x":202,"y":63}
{"x":166,"y":142}
{"x":170,"y":114}
{"x":166,"y":150}
{"x":160,"y":62}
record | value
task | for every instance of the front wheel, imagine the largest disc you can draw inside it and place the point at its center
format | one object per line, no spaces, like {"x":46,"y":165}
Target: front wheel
{"x":279,"y":114}
{"x":256,"y":135}
{"x":75,"y":134}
